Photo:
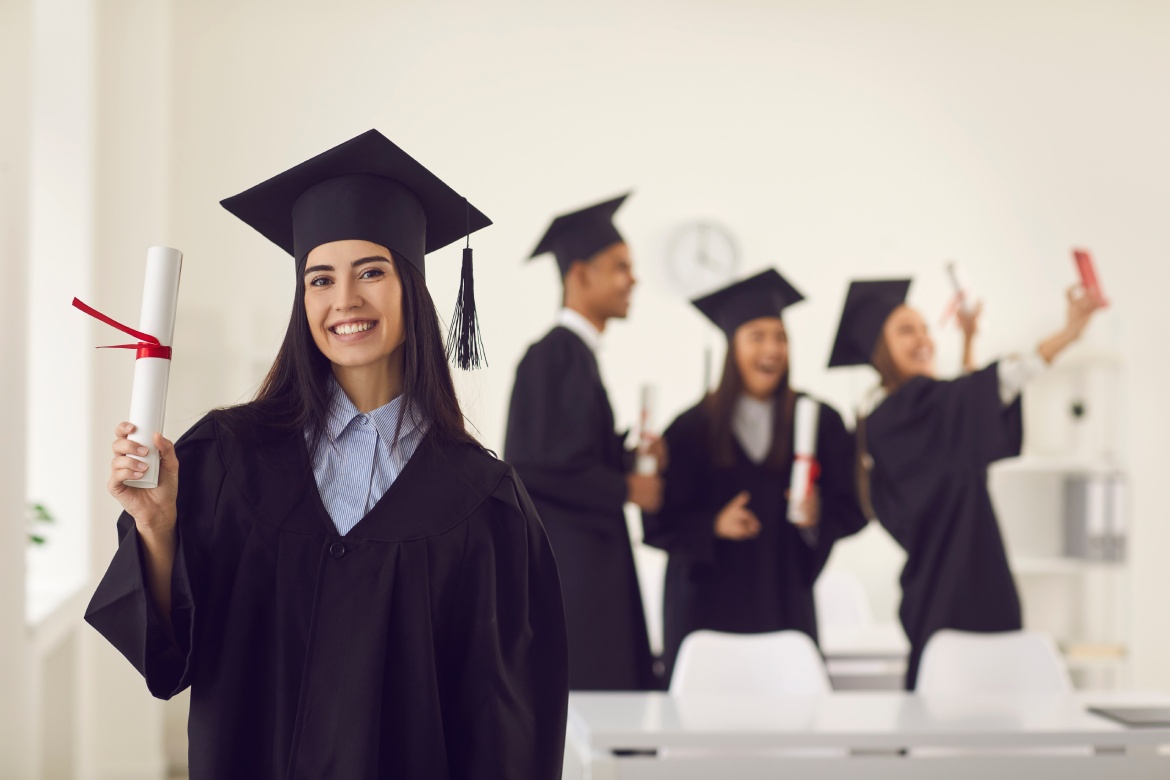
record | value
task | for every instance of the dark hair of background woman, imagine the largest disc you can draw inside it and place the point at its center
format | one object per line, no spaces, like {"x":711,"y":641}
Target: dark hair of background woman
{"x":721,"y":409}
{"x":295,"y":394}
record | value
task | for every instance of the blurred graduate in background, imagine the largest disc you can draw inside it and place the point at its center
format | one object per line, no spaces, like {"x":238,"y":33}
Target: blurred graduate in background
{"x":924,"y":448}
{"x":561,"y":440}
{"x":737,"y":563}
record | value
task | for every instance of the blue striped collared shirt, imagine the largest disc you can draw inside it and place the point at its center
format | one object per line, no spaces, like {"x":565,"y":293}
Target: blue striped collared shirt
{"x":354,"y":463}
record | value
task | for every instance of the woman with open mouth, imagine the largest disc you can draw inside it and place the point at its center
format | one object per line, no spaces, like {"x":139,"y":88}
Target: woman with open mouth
{"x":924,"y":448}
{"x":349,"y":584}
{"x":737,"y":564}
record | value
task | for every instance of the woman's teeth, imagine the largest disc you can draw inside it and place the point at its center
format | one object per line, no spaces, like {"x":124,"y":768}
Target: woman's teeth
{"x":350,"y":328}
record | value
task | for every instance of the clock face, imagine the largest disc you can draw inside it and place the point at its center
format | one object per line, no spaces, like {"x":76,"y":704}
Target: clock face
{"x":701,"y":256}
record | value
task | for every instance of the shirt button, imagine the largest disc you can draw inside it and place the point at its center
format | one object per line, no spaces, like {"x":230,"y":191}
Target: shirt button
{"x":365,"y":419}
{"x":337,"y":549}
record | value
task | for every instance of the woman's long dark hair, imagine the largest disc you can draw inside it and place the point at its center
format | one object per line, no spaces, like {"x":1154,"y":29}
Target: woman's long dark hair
{"x":883,"y":361}
{"x":296,"y":392}
{"x":721,"y":408}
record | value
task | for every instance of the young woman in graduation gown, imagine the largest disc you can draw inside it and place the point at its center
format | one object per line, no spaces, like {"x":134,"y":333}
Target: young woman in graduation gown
{"x":924,"y":449}
{"x":737,"y":564}
{"x":348,"y":583}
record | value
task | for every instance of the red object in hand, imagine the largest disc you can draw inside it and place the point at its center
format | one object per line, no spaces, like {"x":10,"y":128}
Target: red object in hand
{"x":1089,"y":276}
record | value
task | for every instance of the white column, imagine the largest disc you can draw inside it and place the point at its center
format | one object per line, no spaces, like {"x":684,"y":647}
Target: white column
{"x":15,"y":728}
{"x":122,"y":733}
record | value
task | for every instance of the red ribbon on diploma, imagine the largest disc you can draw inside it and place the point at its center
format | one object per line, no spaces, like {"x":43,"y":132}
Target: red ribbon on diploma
{"x":148,"y":346}
{"x":814,"y":468}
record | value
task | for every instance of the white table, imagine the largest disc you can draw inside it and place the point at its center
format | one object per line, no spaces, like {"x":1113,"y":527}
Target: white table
{"x":860,"y":735}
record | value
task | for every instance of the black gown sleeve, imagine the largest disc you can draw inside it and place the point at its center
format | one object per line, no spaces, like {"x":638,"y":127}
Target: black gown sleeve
{"x":511,"y":696}
{"x":122,"y":610}
{"x":553,"y":438}
{"x":685,"y":524}
{"x":998,"y":430}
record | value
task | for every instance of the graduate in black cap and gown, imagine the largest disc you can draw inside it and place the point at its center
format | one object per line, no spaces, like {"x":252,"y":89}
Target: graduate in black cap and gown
{"x":737,"y":563}
{"x":924,"y":449}
{"x":349,"y":584}
{"x":561,"y":441}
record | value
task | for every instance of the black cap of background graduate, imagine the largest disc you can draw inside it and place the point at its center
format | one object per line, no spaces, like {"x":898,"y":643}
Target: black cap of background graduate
{"x":867,"y":307}
{"x":763,"y":295}
{"x":368,"y":189}
{"x":581,"y":234}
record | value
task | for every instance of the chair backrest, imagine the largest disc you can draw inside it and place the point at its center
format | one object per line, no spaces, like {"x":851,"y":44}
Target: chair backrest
{"x":841,"y":601}
{"x":1011,"y":661}
{"x":782,"y":662}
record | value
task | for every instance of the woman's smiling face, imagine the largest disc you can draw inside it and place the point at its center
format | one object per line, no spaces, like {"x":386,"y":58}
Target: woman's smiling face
{"x":761,"y":355}
{"x":353,"y":300}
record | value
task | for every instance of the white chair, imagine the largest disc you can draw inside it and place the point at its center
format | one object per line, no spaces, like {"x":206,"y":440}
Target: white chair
{"x":777,"y":663}
{"x":1007,"y":662}
{"x":960,"y":662}
{"x":780,"y":663}
{"x":841,"y":602}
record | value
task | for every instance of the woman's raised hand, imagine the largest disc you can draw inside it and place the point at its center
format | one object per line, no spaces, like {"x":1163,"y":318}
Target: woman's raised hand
{"x":1081,"y":308}
{"x":153,"y":509}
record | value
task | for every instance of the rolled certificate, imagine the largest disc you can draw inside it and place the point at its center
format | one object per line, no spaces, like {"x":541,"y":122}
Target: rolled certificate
{"x":804,"y":469}
{"x":646,"y":463}
{"x":966,"y":301}
{"x":148,"y":398}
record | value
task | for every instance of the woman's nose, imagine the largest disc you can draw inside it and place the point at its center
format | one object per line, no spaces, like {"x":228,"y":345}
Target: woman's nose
{"x":347,"y":298}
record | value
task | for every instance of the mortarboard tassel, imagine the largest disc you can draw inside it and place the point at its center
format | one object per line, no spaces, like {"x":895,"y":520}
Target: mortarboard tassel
{"x":464,"y":339}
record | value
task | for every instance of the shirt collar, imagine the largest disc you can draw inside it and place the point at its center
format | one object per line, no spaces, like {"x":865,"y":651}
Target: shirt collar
{"x":871,"y":400}
{"x":342,"y":412}
{"x":576,"y":322}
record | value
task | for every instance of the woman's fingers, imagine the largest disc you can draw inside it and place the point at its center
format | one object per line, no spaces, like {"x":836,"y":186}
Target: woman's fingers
{"x":128,"y":447}
{"x":167,"y":460}
{"x":123,"y":429}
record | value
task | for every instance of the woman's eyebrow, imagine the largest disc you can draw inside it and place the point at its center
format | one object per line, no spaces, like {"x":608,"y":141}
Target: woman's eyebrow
{"x":371,"y":259}
{"x":356,"y":263}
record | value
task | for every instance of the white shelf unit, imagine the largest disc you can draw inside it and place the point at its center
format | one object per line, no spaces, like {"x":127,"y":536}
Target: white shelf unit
{"x":1072,"y":431}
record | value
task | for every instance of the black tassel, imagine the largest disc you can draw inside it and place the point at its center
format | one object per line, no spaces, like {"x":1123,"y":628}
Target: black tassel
{"x":464,"y":340}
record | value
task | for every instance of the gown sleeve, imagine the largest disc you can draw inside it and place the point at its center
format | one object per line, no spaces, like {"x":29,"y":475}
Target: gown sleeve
{"x":685,"y":524}
{"x":979,"y":422}
{"x":553,"y":438}
{"x":511,"y":697}
{"x":122,"y":609}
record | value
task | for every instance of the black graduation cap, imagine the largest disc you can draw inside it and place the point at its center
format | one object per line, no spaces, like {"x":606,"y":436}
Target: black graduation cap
{"x":369,"y":189}
{"x":581,"y":234}
{"x":867,"y":307}
{"x":764,"y":295}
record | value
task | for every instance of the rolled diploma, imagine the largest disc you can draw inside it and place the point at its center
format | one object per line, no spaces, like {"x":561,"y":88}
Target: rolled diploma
{"x":646,"y":463}
{"x":148,"y":398}
{"x":966,"y":301}
{"x":805,"y":435}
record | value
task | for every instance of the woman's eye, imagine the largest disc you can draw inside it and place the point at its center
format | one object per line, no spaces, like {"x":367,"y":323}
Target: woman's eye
{"x":372,"y":273}
{"x":319,"y":281}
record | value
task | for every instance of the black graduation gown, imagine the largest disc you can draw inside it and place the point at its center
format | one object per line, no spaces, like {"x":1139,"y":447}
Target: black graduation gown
{"x":561,"y":441}
{"x":931,"y":443}
{"x":427,"y":642}
{"x":755,"y":585}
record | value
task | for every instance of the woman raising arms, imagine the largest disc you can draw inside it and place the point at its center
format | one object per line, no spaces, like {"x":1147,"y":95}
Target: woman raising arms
{"x":925,"y":445}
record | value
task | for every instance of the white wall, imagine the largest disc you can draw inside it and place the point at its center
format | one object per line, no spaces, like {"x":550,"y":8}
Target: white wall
{"x":15,"y":723}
